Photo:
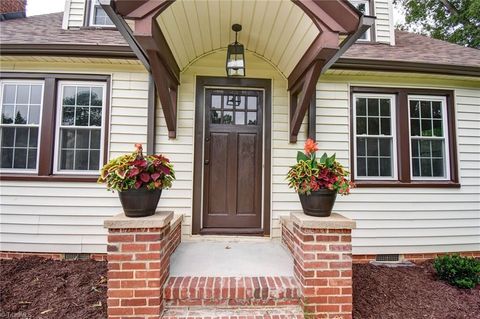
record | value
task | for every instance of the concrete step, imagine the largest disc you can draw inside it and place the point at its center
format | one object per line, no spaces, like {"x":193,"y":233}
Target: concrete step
{"x":277,"y":312}
{"x":231,"y":291}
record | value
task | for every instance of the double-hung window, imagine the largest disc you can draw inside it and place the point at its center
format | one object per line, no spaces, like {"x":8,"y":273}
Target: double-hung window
{"x":403,"y":137}
{"x":98,"y":16}
{"x":53,"y":126}
{"x":80,"y":112}
{"x":21,"y":108}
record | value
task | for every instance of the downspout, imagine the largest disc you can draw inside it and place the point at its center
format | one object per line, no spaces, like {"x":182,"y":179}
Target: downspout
{"x":127,"y":34}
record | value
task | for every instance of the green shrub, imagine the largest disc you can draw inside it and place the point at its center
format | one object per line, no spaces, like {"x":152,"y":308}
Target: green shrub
{"x":462,"y":272}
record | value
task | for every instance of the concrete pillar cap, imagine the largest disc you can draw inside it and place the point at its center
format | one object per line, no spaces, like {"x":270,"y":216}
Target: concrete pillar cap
{"x":334,"y":221}
{"x":160,"y":219}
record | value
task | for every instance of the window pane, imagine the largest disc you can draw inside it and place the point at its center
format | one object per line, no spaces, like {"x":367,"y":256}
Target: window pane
{"x":373,"y":126}
{"x":415,"y":127}
{"x":372,"y":166}
{"x":385,"y":147}
{"x":239,"y":118}
{"x":252,"y":103}
{"x":229,"y":101}
{"x":215,"y":117}
{"x":426,"y":128}
{"x":373,"y":107}
{"x":23,"y":94}
{"x":437,"y":148}
{"x":95,"y":139}
{"x":416,"y":167}
{"x":34,"y":114}
{"x":95,"y":116}
{"x":32,"y":158}
{"x":216,"y":101}
{"x":385,"y":167}
{"x":9,"y":93}
{"x":97,"y":96}
{"x":385,"y":125}
{"x":385,"y":107}
{"x":66,"y":160}
{"x":361,"y":125}
{"x":21,"y":114}
{"x":437,"y":167}
{"x":425,"y":167}
{"x":361,"y":167}
{"x":415,"y":148}
{"x":437,"y":110}
{"x":69,"y":93}
{"x":94,"y":160}
{"x":242,"y":103}
{"x":361,"y":106}
{"x":227,"y":117}
{"x":20,"y":159}
{"x":361,"y":144}
{"x":437,"y":128}
{"x":83,"y":96}
{"x":372,"y":147}
{"x":7,"y":157}
{"x":414,"y":109}
{"x":21,"y":137}
{"x":82,"y":139}
{"x":8,"y":135}
{"x":81,"y":160}
{"x":252,"y":118}
{"x":81,"y":116}
{"x":36,"y":94}
{"x":33,"y":140}
{"x":425,"y":148}
{"x":67,"y":138}
{"x":7,"y":114}
{"x":68,"y":114}
{"x":426,"y":109}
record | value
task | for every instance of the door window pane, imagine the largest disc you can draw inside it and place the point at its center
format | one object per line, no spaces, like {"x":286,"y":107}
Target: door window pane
{"x":21,"y":107}
{"x":80,"y":128}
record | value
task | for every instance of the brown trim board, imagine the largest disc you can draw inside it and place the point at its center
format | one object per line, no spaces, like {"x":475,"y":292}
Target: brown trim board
{"x":201,"y":82}
{"x":403,"y":138}
{"x":69,"y":50}
{"x":47,"y":136}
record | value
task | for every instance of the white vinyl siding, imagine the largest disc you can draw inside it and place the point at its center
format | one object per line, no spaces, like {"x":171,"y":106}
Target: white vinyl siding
{"x":65,"y":216}
{"x":74,"y":14}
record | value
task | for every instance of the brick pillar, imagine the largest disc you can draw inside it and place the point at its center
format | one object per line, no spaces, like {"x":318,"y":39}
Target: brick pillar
{"x":138,"y":265}
{"x":323,"y":264}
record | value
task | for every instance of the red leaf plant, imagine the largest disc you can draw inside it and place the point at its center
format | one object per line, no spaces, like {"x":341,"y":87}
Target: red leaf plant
{"x":136,"y":170}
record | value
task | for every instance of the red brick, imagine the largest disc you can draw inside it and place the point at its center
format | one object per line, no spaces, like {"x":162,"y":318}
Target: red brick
{"x":120,"y":311}
{"x":134,"y":247}
{"x":147,"y":310}
{"x":148,"y":274}
{"x":131,"y":266}
{"x":340,"y":299}
{"x":148,"y":237}
{"x":119,"y":257}
{"x":133,"y":284}
{"x":120,"y":275}
{"x":327,"y":273}
{"x":120,"y":293}
{"x":120,"y":238}
{"x":146,"y":292}
{"x":134,"y":302}
{"x":148,"y":256}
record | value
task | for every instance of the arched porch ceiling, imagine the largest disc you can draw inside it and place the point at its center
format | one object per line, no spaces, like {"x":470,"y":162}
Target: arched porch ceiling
{"x":277,"y":30}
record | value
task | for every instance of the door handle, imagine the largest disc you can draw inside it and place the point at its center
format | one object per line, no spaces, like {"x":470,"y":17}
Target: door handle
{"x":207,"y":162}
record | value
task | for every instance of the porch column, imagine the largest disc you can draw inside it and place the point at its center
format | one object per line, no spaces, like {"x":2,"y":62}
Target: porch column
{"x":138,"y":264}
{"x":322,"y":253}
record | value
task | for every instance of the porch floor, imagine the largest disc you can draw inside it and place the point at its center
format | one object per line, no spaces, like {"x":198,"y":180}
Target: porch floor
{"x":231,"y":258}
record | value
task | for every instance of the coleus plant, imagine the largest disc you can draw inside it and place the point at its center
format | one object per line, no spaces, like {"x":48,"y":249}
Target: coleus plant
{"x":311,"y":174}
{"x":134,"y":171}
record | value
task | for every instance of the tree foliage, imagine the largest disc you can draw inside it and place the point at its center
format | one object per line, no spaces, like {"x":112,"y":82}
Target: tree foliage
{"x":456,"y":21}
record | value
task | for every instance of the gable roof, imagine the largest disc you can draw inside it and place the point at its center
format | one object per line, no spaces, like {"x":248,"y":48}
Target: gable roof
{"x":36,"y":34}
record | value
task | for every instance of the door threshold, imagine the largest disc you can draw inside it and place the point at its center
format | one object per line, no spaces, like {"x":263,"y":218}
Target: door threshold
{"x":226,"y":238}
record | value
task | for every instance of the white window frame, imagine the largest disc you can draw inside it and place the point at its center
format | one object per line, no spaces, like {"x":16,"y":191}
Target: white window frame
{"x":446,"y":133}
{"x":93,"y":4}
{"x":59,"y":106}
{"x":393,"y":129}
{"x":39,"y":125}
{"x":367,"y":3}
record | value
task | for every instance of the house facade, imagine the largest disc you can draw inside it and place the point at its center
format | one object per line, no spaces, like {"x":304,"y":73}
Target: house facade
{"x":401,"y":111}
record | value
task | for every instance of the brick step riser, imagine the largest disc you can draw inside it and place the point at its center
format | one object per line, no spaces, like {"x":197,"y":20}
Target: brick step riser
{"x":231,"y":302}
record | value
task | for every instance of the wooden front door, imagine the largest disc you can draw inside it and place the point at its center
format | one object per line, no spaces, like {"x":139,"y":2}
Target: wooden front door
{"x":232,"y":187}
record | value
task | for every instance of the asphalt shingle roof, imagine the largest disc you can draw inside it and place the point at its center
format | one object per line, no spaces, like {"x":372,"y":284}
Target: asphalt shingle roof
{"x":409,"y":47}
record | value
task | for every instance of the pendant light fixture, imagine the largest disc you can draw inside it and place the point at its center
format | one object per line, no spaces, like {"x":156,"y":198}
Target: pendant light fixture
{"x":235,"y":56}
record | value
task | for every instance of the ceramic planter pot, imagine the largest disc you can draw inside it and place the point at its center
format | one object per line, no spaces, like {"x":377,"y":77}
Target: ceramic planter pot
{"x":319,"y":203}
{"x":139,"y":202}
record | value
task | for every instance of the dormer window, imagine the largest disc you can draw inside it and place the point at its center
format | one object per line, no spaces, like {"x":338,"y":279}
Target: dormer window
{"x":364,"y":7}
{"x":98,"y":16}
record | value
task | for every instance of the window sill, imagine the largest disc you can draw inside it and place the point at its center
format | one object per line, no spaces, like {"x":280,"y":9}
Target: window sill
{"x":50,"y":178}
{"x":413,"y":184}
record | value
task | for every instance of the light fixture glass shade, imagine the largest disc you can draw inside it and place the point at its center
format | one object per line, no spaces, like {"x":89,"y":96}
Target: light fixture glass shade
{"x":235,"y":60}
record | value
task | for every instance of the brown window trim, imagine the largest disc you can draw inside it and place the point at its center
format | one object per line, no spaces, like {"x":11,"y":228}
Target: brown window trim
{"x":403,"y":138}
{"x":47,"y":136}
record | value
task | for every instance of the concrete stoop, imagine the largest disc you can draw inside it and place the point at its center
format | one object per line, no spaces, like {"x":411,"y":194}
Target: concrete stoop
{"x":278,"y":312}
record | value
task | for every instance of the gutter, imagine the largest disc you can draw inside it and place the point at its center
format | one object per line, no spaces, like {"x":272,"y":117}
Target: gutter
{"x":71,"y":50}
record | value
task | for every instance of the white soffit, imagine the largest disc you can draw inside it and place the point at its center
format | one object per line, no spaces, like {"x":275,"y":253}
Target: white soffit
{"x":278,"y":30}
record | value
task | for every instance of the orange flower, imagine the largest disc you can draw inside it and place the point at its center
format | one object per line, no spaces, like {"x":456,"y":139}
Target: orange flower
{"x":138,"y":147}
{"x":310,"y":146}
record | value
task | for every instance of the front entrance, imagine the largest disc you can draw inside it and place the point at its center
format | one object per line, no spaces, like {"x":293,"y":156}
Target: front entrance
{"x":231,"y":151}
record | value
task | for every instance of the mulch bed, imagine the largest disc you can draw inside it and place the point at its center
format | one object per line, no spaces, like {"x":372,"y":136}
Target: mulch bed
{"x":33,"y":287}
{"x":409,"y":293}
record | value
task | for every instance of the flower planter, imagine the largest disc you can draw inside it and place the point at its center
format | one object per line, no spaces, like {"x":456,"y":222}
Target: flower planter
{"x":318,"y":203}
{"x":139,"y":202}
